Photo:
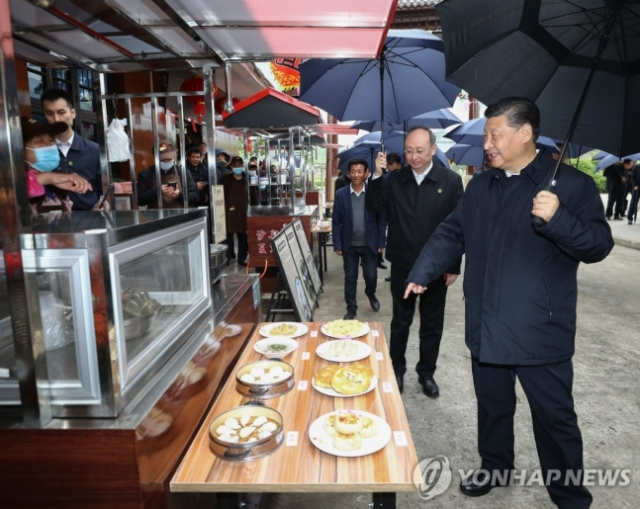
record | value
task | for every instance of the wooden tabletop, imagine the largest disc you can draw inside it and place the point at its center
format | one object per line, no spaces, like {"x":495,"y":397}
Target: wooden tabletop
{"x":303,"y":467}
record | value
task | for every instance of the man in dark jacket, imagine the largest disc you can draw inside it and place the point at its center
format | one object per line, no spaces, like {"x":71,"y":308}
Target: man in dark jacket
{"x":616,"y":187}
{"x":77,"y":154}
{"x":416,"y":199}
{"x":635,"y":193}
{"x":199,"y":171}
{"x":520,"y":295}
{"x":358,"y":236}
{"x":171,"y":182}
{"x":343,"y":180}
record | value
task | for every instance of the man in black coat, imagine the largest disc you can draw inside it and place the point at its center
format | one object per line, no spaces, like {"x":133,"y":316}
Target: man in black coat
{"x":520,"y":296}
{"x":616,"y":187}
{"x":635,"y":193}
{"x":416,"y":199}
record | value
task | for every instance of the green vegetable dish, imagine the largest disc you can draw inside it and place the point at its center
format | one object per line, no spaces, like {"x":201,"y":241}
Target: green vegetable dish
{"x":276,"y":348}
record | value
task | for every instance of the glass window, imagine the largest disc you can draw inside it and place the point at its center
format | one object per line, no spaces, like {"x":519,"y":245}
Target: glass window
{"x":61,"y":84}
{"x":62,"y":74}
{"x":86,"y":99}
{"x":34,"y":67}
{"x":36,"y":85}
{"x":89,"y":131}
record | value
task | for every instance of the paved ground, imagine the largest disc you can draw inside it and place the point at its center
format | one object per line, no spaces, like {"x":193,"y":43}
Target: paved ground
{"x":623,"y":233}
{"x":607,"y":365}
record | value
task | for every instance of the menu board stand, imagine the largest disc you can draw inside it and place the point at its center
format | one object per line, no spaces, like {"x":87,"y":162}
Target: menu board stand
{"x":296,"y":274}
{"x":278,"y":296}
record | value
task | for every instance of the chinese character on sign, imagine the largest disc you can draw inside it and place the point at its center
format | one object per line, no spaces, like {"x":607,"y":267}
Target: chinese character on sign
{"x":262,"y":248}
{"x":261,"y":234}
{"x":273,"y":233}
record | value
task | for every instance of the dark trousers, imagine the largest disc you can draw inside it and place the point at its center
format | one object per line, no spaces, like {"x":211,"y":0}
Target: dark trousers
{"x":431,"y":322}
{"x":555,"y":424}
{"x":243,"y":246}
{"x":615,"y":202}
{"x":351,"y":262}
{"x":633,"y":206}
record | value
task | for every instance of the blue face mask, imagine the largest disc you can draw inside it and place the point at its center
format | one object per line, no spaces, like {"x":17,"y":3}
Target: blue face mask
{"x":48,"y":158}
{"x":166,"y":165}
{"x":238,"y":171}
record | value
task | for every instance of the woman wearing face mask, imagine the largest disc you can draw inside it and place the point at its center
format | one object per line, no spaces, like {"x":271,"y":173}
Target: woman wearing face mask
{"x":41,"y":156}
{"x":235,"y":200}
{"x":171,"y":182}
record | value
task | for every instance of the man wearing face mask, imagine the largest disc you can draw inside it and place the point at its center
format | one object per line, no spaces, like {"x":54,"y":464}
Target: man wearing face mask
{"x":172,"y":185}
{"x":77,"y":154}
{"x":42,"y":157}
{"x":235,"y":200}
{"x":222,"y":166}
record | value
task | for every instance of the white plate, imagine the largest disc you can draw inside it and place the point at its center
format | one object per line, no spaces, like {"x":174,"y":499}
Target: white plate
{"x":301,"y":330}
{"x":363,"y":352}
{"x":369,"y":445}
{"x":260,"y":346}
{"x":336,"y":394}
{"x":365,"y":330}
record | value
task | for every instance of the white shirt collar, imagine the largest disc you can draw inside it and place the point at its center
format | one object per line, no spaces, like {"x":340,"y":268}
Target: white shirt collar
{"x":354,"y":192}
{"x":420,"y":176}
{"x":64,"y":146}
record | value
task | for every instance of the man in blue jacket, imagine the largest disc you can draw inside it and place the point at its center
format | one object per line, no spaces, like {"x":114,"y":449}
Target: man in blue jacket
{"x":77,"y":154}
{"x":358,"y":235}
{"x":520,"y":295}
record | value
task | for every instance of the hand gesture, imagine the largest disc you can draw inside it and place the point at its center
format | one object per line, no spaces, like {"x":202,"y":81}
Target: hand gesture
{"x":65,"y":181}
{"x":414,"y":288}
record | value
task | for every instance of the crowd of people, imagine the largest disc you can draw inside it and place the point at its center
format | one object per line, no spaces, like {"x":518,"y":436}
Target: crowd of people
{"x":623,"y":179}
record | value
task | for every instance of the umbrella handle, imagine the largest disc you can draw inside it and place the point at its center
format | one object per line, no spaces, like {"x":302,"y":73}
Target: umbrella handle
{"x":537,"y":221}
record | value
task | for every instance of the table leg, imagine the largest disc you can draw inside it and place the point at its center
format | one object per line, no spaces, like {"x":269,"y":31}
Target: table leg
{"x":324,"y":247}
{"x":384,"y":501}
{"x":321,"y":239}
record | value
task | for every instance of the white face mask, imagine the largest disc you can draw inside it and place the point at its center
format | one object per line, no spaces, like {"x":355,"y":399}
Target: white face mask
{"x":166,"y":165}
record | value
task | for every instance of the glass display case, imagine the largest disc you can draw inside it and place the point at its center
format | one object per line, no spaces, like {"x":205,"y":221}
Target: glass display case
{"x":119,"y":293}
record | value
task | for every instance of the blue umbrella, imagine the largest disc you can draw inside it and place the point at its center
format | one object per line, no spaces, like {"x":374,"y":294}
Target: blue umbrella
{"x":600,"y":154}
{"x":573,"y":149}
{"x":471,"y":155}
{"x":472,"y":133}
{"x":368,"y":150}
{"x":407,"y":80}
{"x":438,"y":119}
{"x":611,"y":159}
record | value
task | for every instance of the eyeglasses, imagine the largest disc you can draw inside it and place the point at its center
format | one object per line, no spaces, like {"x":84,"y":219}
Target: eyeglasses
{"x":418,"y":151}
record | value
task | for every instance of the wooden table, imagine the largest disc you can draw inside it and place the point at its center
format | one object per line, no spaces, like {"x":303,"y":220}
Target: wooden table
{"x":302,"y":467}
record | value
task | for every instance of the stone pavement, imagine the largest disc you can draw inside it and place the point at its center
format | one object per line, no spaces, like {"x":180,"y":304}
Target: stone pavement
{"x":623,"y":233}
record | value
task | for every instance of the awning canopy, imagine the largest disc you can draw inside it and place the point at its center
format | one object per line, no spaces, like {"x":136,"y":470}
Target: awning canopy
{"x":129,"y":35}
{"x":270,"y":109}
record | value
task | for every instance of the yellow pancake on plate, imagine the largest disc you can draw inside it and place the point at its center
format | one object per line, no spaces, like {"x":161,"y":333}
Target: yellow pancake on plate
{"x":323,"y":377}
{"x":350,"y":381}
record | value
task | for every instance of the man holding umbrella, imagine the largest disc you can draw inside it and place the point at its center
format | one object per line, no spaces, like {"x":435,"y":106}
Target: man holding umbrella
{"x":520,"y":296}
{"x":416,"y":199}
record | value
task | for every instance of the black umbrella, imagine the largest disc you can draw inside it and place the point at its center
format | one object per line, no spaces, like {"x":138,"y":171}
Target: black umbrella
{"x":578,"y":60}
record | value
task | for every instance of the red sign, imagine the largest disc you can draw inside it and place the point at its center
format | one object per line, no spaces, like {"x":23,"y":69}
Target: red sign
{"x":286,"y":72}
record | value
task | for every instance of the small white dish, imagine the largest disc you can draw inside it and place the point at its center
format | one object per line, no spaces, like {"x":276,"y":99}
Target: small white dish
{"x":265,"y":347}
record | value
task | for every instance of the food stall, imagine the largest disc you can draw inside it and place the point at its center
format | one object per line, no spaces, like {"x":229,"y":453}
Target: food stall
{"x":279,"y":125}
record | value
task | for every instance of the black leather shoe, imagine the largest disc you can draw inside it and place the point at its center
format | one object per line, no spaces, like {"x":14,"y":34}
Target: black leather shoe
{"x":400,"y":381}
{"x":382,"y":265}
{"x":429,"y":386}
{"x":388,"y":279}
{"x":477,"y":485}
{"x":375,"y":303}
{"x":350,"y":315}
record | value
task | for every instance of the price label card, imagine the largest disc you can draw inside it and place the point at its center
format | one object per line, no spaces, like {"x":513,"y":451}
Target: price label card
{"x":375,"y":333}
{"x":306,"y":356}
{"x":303,"y":385}
{"x":314,"y":334}
{"x":386,"y":387}
{"x":4,"y":373}
{"x":400,"y":438}
{"x":292,"y":439}
{"x":379,"y":356}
